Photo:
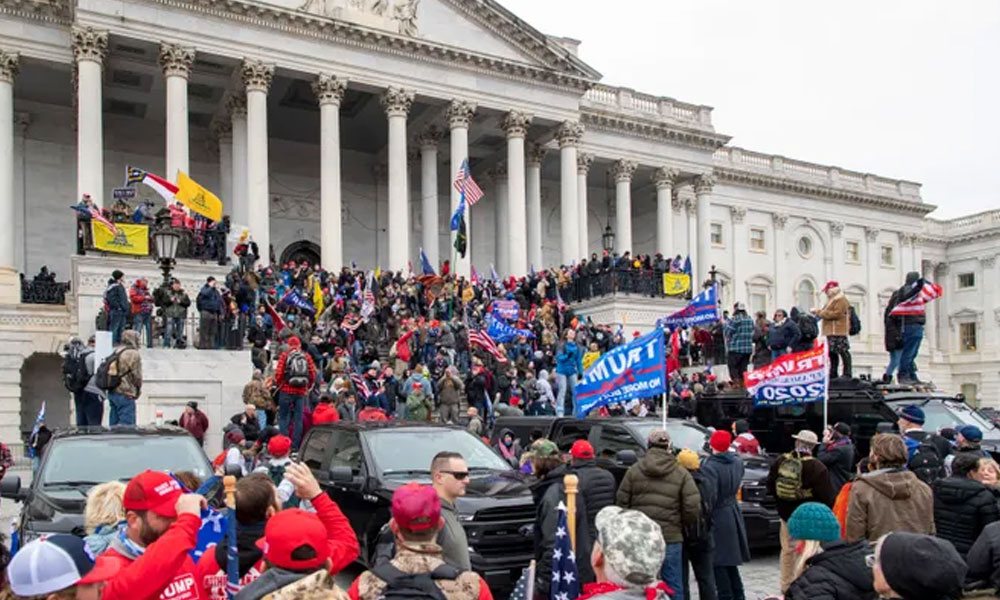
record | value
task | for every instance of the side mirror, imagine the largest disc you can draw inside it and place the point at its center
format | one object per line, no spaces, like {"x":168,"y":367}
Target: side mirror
{"x":10,"y":487}
{"x":234,"y":470}
{"x":627,"y":457}
{"x":341,"y":475}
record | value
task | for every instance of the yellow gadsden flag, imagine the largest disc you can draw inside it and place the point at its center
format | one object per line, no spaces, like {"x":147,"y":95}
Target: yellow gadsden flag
{"x":130,"y":238}
{"x":675,"y":284}
{"x":197,"y":198}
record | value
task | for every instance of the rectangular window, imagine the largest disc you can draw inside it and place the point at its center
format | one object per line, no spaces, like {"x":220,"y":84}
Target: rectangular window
{"x":967,"y":337}
{"x":717,"y":235}
{"x":757,"y":239}
{"x":888,"y":258}
{"x":758,"y":303}
{"x":966,"y":280}
{"x":853,"y":252}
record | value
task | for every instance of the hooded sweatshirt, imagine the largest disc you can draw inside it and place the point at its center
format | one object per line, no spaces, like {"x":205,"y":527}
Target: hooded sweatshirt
{"x":889,"y":500}
{"x":837,"y":573}
{"x":294,"y":345}
{"x":663,"y":490}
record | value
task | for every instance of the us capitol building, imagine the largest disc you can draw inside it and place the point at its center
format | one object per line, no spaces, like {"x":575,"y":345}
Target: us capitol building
{"x":333,"y":129}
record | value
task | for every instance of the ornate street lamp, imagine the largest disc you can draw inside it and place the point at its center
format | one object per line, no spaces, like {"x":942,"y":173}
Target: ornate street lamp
{"x":608,"y":239}
{"x":165,"y":241}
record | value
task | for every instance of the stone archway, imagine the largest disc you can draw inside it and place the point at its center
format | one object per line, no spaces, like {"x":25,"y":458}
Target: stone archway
{"x":41,"y":381}
{"x":300,"y":251}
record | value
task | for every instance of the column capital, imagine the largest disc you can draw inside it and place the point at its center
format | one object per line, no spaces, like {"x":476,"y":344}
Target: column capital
{"x":703,"y":184}
{"x":905,"y":239}
{"x":89,"y":44}
{"x":536,"y":154}
{"x":459,"y":113}
{"x":988,"y":262}
{"x":779,"y":219}
{"x":569,"y":133}
{"x":257,"y":75}
{"x":677,"y":203}
{"x":236,"y":104}
{"x":623,"y":170}
{"x":692,"y":206}
{"x":429,"y":138}
{"x":9,"y":65}
{"x":737,"y":213}
{"x":176,"y":60}
{"x":515,"y":124}
{"x":871,"y":233}
{"x":836,"y":228}
{"x":329,"y":89}
{"x":664,"y":177}
{"x":397,"y":101}
{"x":221,"y":129}
{"x":583,"y":162}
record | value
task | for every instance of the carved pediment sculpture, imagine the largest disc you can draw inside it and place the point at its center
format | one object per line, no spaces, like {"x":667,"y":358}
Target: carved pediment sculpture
{"x":393,"y":15}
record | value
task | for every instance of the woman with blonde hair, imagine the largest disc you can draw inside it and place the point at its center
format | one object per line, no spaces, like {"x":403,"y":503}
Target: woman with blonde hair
{"x":102,"y":514}
{"x":827,"y":568}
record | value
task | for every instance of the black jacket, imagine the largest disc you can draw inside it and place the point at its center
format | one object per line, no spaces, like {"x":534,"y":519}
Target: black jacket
{"x":839,"y":461}
{"x":837,"y":573}
{"x":209,"y":300}
{"x":117,"y":298}
{"x":548,"y":492}
{"x":984,"y":559}
{"x":597,"y":486}
{"x":962,"y":508}
{"x":782,"y":336}
{"x":892,"y":325}
{"x":246,"y":545}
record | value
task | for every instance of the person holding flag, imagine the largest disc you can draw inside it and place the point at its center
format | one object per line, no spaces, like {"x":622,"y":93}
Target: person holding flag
{"x":907,"y":305}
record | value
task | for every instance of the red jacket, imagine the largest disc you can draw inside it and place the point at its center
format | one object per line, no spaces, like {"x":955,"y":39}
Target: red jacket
{"x":140,"y":299}
{"x":745,"y":443}
{"x":372,"y":413}
{"x":164,"y":571}
{"x":196,"y":424}
{"x":325,"y":413}
{"x":279,"y":372}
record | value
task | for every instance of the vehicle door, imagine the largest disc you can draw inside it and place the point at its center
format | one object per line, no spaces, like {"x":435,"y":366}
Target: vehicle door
{"x":567,"y":432}
{"x":608,"y":440}
{"x":358,"y":503}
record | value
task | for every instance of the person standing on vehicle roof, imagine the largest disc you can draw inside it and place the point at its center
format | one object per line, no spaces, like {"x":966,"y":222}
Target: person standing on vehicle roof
{"x":783,"y":334}
{"x":912,"y":325}
{"x":927,"y":451}
{"x":739,"y":339}
{"x":450,"y":475}
{"x":836,"y":315}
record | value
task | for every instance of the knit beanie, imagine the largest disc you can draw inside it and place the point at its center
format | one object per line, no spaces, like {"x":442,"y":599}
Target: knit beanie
{"x":921,"y":566}
{"x":813,"y":521}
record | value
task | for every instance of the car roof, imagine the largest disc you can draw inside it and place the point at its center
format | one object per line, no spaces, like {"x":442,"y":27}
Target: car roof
{"x":119,"y":431}
{"x":363,"y":426}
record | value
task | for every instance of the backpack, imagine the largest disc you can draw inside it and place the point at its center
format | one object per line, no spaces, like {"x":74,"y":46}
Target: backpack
{"x":74,"y":369}
{"x":699,"y":533}
{"x":855,"y":327}
{"x":925,"y":460}
{"x":109,"y":374}
{"x":416,"y":586}
{"x":788,"y":485}
{"x":807,"y":325}
{"x":297,"y":369}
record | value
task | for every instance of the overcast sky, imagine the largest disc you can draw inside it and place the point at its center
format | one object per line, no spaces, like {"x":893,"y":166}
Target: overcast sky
{"x":907,"y":89}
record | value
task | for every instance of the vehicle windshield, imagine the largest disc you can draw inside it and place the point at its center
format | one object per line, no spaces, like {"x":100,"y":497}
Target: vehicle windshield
{"x":682,"y":434}
{"x":940,"y":415}
{"x":74,"y":461}
{"x":410,"y":456}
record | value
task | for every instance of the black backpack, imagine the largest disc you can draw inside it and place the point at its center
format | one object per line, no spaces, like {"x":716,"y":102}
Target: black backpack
{"x":807,"y":326}
{"x":855,"y":328}
{"x":74,"y":369}
{"x":699,"y":533}
{"x":109,"y":375}
{"x":416,"y":586}
{"x":925,"y":460}
{"x":297,"y":369}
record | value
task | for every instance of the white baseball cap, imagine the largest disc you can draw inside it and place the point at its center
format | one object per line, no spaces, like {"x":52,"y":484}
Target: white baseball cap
{"x":49,"y":564}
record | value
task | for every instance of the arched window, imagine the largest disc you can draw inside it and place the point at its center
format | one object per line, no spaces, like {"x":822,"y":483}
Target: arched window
{"x":805,"y":296}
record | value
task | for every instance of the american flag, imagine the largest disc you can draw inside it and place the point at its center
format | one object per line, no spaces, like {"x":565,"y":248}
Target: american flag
{"x":525,"y":587}
{"x":360,"y":385}
{"x":465,"y":184}
{"x":565,"y":576}
{"x":915,"y":305}
{"x":368,"y":300}
{"x":483,"y":339}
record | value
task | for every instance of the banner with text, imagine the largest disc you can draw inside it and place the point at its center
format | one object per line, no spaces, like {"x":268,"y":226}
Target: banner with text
{"x":675,"y":284}
{"x":795,"y":378}
{"x":508,"y":309}
{"x":129,"y":239}
{"x":635,"y":370}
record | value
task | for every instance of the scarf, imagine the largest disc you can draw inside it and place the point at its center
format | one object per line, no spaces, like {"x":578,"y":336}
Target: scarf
{"x":596,"y":589}
{"x":506,"y":450}
{"x":124,"y":546}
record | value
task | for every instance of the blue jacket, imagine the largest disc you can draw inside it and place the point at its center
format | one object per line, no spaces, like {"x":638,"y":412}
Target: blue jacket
{"x":782,"y":336}
{"x":569,"y":360}
{"x":209,"y":300}
{"x":117,"y":298}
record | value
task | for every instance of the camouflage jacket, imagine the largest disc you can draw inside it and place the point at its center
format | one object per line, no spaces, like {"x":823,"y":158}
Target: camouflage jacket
{"x":318,"y":586}
{"x":422,"y":558}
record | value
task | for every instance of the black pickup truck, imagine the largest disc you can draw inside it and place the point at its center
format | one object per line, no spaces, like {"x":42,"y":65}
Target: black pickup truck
{"x":360,"y":465}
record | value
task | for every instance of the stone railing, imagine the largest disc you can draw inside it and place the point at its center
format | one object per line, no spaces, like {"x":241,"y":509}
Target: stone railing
{"x":659,"y":107}
{"x":984,"y":220}
{"x":44,"y":292}
{"x":779,"y":166}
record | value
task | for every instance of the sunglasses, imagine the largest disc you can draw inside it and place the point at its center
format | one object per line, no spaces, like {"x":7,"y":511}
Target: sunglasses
{"x":458,"y":475}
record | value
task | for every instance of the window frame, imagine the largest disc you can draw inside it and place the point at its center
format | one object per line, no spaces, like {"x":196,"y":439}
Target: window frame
{"x":763,"y":240}
{"x":798,"y":246}
{"x":722,"y":234}
{"x":958,"y":281}
{"x":962,"y":347}
{"x":856,"y":260}
{"x":892,"y":256}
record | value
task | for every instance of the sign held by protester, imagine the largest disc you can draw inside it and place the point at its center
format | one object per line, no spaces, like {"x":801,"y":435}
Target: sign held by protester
{"x":796,"y":378}
{"x":635,"y":370}
{"x":508,"y":309}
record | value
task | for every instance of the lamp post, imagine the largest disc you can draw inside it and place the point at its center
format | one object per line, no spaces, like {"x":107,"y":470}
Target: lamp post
{"x":166,"y":240}
{"x":608,"y":239}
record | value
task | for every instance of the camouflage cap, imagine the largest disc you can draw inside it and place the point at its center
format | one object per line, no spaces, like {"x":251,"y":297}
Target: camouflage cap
{"x":542,"y":448}
{"x":632,"y":544}
{"x":658,"y":437}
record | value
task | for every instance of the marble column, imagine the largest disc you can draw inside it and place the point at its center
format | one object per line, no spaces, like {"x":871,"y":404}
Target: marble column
{"x":22,"y":121}
{"x":515,"y":124}
{"x":329,"y":90}
{"x":257,"y":79}
{"x":837,"y":253}
{"x":428,"y":141}
{"x":569,"y":135}
{"x":176,"y":61}
{"x":906,"y":253}
{"x":222,"y":133}
{"x":533,"y":182}
{"x":987,"y":338}
{"x":664,"y":179}
{"x":691,"y":209}
{"x":583,"y":162}
{"x":501,"y":217}
{"x":459,"y":115}
{"x":918,"y":253}
{"x":622,"y":171}
{"x":9,"y":62}
{"x":703,"y":185}
{"x":89,"y":49}
{"x":872,"y":265}
{"x":738,"y":247}
{"x":397,"y":102}
{"x":236,"y":106}
{"x":784,"y":298}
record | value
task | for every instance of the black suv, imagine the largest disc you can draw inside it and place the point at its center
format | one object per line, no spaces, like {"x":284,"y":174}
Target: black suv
{"x":77,"y":459}
{"x":360,"y":465}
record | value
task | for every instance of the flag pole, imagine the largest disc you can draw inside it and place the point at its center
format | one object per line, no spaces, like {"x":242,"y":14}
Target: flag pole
{"x":664,"y":418}
{"x":572,"y":483}
{"x":826,"y":384}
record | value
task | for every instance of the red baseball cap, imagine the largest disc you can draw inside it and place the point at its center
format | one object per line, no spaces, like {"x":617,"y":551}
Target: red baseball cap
{"x":582,"y":449}
{"x":104,"y":569}
{"x":720,"y":441}
{"x":291,"y":530}
{"x":416,"y":507}
{"x":830,"y":284}
{"x":153,"y":490}
{"x":279,"y":445}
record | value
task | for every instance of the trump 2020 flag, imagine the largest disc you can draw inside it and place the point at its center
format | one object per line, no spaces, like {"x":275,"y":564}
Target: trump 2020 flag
{"x":635,"y":370}
{"x":795,"y":378}
{"x":703,"y":308}
{"x":565,"y":575}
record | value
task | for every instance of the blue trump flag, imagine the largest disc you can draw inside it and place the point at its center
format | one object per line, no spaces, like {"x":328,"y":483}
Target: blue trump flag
{"x":294,"y":298}
{"x":456,"y":217}
{"x":426,"y":264}
{"x":687,"y":265}
{"x":502,"y":332}
{"x":703,"y":308}
{"x":635,"y":370}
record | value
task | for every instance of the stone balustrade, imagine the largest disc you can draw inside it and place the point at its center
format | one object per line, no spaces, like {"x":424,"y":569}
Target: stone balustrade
{"x":659,"y":107}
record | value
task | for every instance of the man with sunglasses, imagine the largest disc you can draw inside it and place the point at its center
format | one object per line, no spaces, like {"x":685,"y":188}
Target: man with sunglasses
{"x":450,"y":475}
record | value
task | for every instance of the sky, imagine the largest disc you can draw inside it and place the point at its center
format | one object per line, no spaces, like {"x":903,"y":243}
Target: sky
{"x":906,"y":89}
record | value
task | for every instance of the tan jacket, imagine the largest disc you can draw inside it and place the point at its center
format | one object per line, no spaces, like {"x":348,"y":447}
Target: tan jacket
{"x":130,"y":365}
{"x":255,"y":393}
{"x":889,"y":500}
{"x":422,"y":558}
{"x":836,"y":315}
